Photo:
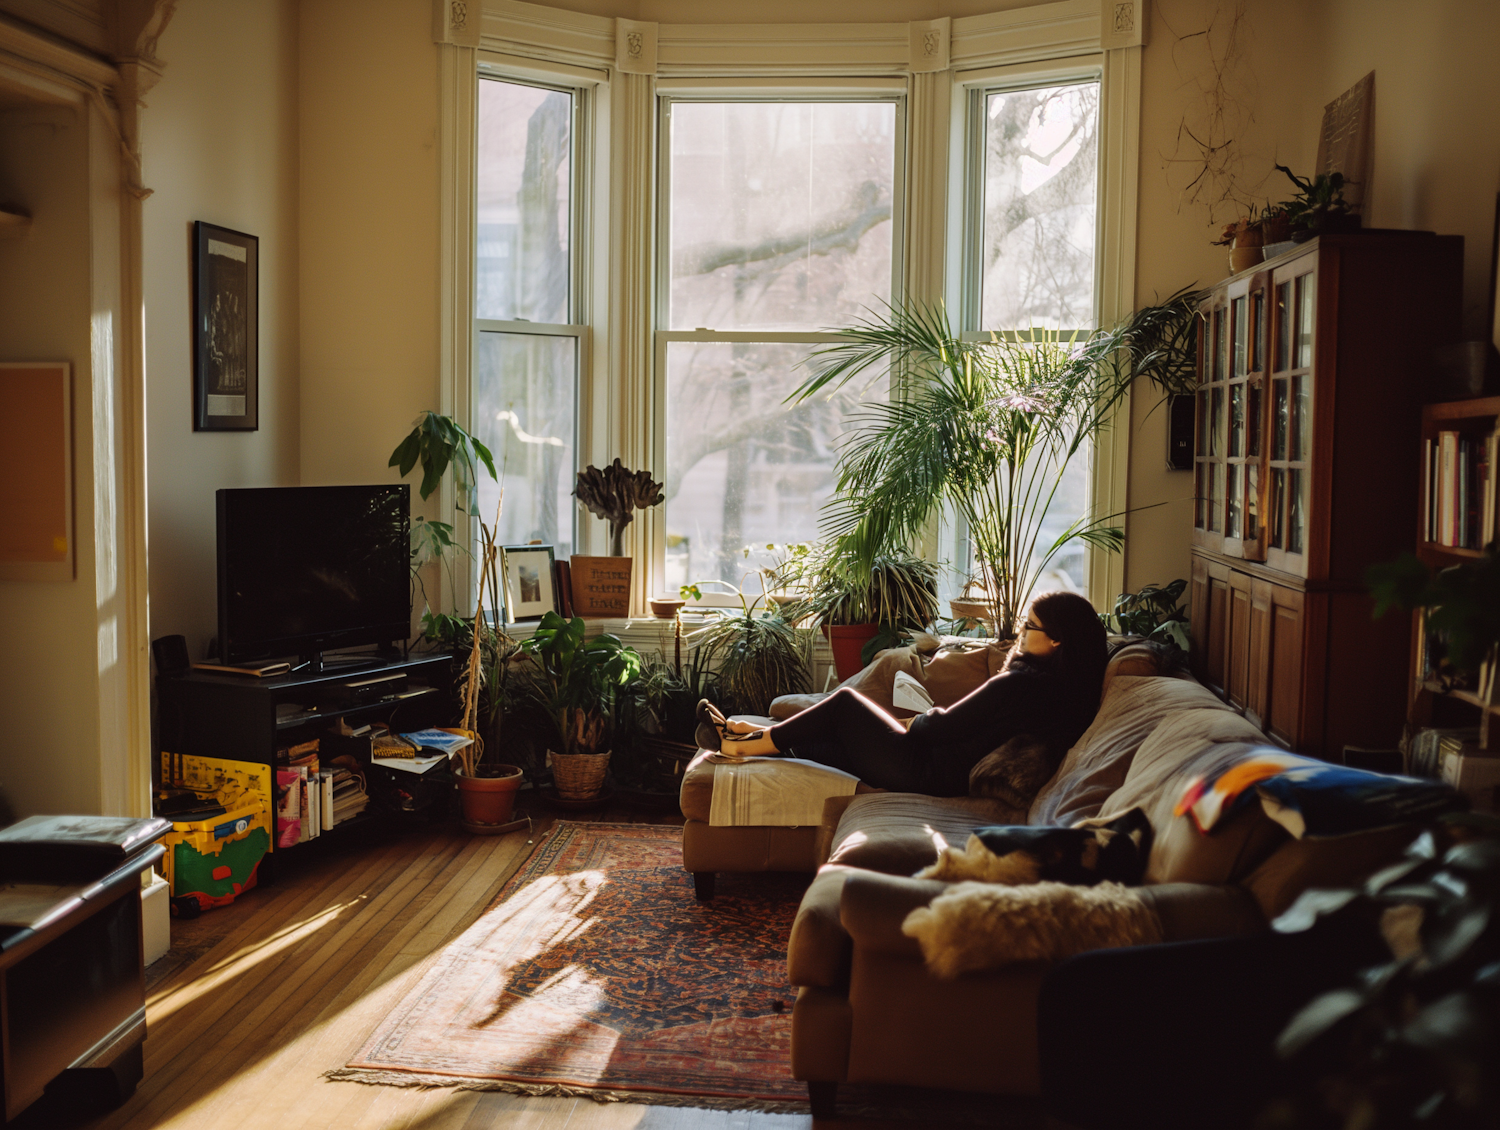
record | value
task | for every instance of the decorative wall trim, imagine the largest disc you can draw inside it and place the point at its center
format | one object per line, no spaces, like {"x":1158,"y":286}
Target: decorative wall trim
{"x":457,"y":23}
{"x":1123,"y":23}
{"x":928,"y":50}
{"x":635,"y":47}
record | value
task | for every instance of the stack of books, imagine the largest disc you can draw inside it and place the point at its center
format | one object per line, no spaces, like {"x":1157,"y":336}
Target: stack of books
{"x":299,"y":794}
{"x":347,"y":797}
{"x":1458,"y":496}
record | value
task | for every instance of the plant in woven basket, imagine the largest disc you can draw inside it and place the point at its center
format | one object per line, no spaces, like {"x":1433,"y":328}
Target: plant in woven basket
{"x":576,"y":680}
{"x":615,"y":494}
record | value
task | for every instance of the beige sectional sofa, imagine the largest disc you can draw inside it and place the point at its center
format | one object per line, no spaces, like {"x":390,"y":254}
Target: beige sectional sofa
{"x":868,"y":1010}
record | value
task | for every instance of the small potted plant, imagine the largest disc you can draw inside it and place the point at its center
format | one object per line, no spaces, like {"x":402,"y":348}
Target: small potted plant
{"x":1245,"y":240}
{"x":575,"y":681}
{"x":757,"y":657}
{"x":1319,"y":207}
{"x":601,"y":585}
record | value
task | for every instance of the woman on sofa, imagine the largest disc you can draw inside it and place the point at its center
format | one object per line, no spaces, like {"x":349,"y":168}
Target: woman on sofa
{"x":1049,"y":687}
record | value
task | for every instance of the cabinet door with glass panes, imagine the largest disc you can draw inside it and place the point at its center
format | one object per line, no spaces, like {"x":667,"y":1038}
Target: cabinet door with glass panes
{"x":1290,"y":415}
{"x":1229,"y":461}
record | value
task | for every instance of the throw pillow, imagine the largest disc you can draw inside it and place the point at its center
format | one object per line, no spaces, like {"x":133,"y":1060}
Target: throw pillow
{"x":1320,"y":801}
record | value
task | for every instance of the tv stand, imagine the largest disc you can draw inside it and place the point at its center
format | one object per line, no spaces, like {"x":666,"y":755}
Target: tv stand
{"x":218,"y":715}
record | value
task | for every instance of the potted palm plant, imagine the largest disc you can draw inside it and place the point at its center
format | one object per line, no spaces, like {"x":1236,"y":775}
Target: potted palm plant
{"x":575,"y":681}
{"x":986,"y":427}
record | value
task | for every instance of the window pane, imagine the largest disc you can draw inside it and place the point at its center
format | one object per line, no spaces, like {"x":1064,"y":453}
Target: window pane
{"x":1040,"y":159}
{"x":524,"y":192}
{"x":744,"y":469}
{"x":780,"y":213}
{"x":523,"y":412}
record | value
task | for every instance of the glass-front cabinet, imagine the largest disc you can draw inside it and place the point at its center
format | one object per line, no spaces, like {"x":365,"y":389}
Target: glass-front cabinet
{"x":1312,"y":368}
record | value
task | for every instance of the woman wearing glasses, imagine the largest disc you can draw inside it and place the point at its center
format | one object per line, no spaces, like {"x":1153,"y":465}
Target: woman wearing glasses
{"x":1049,"y":688}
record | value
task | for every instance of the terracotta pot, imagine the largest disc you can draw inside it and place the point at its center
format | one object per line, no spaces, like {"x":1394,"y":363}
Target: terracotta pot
{"x":847,"y":641}
{"x":1243,"y":258}
{"x":665,"y":607}
{"x":601,"y":586}
{"x":488,"y":800}
{"x":578,"y":776}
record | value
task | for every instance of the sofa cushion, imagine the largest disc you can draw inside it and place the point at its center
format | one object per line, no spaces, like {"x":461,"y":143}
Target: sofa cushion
{"x":900,"y":833}
{"x":1097,"y":765}
{"x":1300,"y":864}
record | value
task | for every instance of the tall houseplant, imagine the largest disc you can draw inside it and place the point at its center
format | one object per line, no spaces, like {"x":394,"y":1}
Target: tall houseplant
{"x":986,"y":427}
{"x":575,"y":680}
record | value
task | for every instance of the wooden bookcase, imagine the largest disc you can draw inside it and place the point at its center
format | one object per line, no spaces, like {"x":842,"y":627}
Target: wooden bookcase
{"x":1306,"y":463}
{"x":1430,"y":704}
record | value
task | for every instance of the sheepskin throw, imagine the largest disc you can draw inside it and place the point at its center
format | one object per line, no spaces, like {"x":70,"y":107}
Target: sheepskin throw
{"x":974,"y":927}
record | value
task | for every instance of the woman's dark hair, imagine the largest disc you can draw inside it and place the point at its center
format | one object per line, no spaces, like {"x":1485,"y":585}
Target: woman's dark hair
{"x":1072,"y":622}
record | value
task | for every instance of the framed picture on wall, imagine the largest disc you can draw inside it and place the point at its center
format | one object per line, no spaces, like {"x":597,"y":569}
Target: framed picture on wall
{"x":528,"y":582}
{"x":226,"y":320}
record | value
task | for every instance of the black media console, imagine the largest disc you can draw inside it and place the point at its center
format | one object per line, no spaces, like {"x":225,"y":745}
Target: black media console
{"x":212,"y":714}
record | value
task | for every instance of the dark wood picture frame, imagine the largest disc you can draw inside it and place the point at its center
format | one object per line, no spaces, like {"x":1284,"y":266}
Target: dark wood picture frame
{"x":521,"y":567}
{"x":226,"y":327}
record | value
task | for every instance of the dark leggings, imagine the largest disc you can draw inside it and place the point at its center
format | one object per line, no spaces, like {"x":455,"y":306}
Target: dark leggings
{"x":849,"y":732}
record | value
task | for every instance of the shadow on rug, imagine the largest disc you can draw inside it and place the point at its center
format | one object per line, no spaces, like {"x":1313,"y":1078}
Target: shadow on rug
{"x":595,"y":972}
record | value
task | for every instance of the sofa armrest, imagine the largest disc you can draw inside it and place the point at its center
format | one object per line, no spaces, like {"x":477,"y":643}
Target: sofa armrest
{"x":1194,"y":911}
{"x":817,"y":954}
{"x":874,"y":905}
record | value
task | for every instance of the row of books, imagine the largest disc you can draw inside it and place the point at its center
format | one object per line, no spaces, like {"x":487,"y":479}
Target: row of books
{"x":312,"y":799}
{"x":1458,"y":496}
{"x":1425,"y":749}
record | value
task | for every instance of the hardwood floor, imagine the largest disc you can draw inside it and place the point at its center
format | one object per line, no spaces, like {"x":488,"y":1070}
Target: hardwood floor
{"x":256,"y":1000}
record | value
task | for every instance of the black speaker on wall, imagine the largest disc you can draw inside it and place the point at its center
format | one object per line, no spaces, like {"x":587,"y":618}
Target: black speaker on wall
{"x":1180,"y":432}
{"x":171,"y":654}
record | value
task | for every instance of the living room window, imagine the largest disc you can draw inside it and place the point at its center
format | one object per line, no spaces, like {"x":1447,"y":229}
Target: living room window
{"x":530,"y":337}
{"x":1029,"y":264}
{"x":778,"y":222}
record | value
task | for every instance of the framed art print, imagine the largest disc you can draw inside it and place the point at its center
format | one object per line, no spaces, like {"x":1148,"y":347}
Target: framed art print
{"x":528,"y":582}
{"x":226,"y":318}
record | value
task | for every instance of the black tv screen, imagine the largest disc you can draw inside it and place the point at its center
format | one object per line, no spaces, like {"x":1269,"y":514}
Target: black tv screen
{"x":304,"y":569}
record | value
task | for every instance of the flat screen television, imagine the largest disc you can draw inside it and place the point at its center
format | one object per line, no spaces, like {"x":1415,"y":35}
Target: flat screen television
{"x":303,"y":570}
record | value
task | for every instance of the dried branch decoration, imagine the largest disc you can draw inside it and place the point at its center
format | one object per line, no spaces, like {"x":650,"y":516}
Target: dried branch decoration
{"x":614,"y":494}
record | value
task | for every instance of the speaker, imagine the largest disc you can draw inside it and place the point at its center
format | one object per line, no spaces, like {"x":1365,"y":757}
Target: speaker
{"x":1180,"y":432}
{"x":171,"y":655}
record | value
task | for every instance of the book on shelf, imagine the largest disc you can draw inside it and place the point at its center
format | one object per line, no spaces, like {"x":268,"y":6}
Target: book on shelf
{"x":1459,"y":498}
{"x":288,"y":807}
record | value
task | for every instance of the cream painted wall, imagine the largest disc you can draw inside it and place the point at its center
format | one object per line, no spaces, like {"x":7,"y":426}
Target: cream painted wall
{"x":1437,"y":121}
{"x":369,"y":255}
{"x":50,"y":669}
{"x":220,"y":145}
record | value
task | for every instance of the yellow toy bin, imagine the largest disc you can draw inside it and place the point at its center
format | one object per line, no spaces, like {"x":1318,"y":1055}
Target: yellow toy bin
{"x":210,"y":862}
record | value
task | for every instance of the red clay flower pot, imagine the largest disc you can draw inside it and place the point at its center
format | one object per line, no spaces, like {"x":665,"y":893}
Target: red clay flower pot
{"x":847,"y":641}
{"x":488,"y":800}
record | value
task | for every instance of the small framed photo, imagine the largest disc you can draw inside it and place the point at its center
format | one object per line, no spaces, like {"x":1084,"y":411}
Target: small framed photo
{"x":226,"y":321}
{"x":529,"y":592}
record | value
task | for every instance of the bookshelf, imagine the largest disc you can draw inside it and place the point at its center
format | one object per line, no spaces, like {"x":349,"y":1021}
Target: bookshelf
{"x":1311,"y":366}
{"x":1474,"y":421}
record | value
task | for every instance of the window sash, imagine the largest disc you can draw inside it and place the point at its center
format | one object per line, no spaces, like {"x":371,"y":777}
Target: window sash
{"x":761,"y":91}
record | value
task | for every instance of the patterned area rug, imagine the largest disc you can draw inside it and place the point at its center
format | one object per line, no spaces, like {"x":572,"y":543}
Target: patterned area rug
{"x":596,"y":972}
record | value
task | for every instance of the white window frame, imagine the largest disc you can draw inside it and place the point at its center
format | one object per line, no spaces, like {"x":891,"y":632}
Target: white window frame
{"x":625,"y":61}
{"x":579,"y":164}
{"x":743,"y":90}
